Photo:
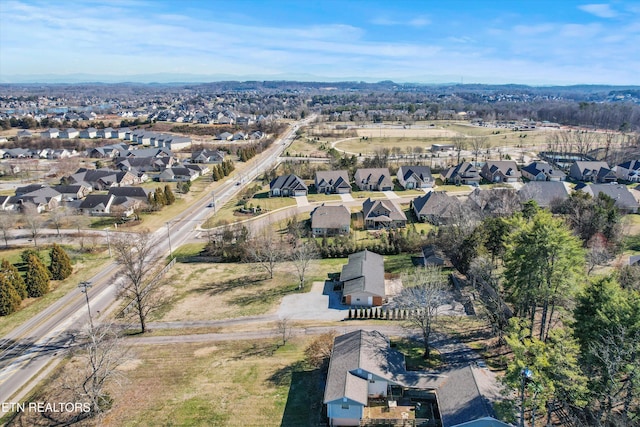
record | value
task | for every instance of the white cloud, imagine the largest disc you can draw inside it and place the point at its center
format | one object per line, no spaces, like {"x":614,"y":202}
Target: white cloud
{"x":601,"y":10}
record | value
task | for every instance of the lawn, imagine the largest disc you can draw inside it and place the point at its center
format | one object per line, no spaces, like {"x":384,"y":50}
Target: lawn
{"x":323,"y":197}
{"x":234,"y":383}
{"x":228,"y":213}
{"x":212,"y":291}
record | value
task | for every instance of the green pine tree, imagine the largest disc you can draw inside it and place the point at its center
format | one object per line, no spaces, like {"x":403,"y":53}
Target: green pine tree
{"x":168,"y":195}
{"x":36,"y":278}
{"x":9,"y":298}
{"x":159,"y":197}
{"x":14,"y":277}
{"x":60,"y":266}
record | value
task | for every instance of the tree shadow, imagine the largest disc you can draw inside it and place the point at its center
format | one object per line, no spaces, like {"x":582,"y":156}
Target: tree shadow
{"x":304,"y":400}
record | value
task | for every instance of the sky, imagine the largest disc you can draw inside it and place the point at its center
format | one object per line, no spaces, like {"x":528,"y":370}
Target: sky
{"x":535,"y":42}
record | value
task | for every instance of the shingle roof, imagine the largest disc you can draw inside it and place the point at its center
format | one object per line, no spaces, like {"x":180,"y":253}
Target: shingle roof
{"x":618,"y":192}
{"x":543,"y":192}
{"x":422,"y":172}
{"x":364,"y":272}
{"x":369,"y":206}
{"x":332,"y":177}
{"x":438,"y":204}
{"x":291,"y":181}
{"x":330,"y":217}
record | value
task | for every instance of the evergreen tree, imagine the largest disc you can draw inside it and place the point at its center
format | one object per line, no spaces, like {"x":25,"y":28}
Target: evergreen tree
{"x":9,"y":298}
{"x":60,"y":266}
{"x":37,"y":277}
{"x":28,"y":252}
{"x":168,"y":195}
{"x":159,"y":197}
{"x":14,"y":277}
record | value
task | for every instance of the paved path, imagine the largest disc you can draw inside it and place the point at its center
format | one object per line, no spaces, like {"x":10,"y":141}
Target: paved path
{"x":301,"y":201}
{"x":390,"y":195}
{"x":346,"y":197}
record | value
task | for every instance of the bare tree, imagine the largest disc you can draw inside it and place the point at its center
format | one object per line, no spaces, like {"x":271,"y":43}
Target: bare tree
{"x":33,"y":221}
{"x":284,"y":329}
{"x":102,"y":351}
{"x":478,"y":145}
{"x":266,"y":250}
{"x":301,"y":254}
{"x":7,"y":222}
{"x":135,"y":254}
{"x":459,"y":144}
{"x":423,"y":293}
{"x":59,"y":217}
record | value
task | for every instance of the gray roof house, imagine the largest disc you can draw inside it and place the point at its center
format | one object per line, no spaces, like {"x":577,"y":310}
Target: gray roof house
{"x":101,"y":179}
{"x":437,"y":207}
{"x":498,"y":201}
{"x":97,"y":204}
{"x":592,"y":171}
{"x":542,"y":171}
{"x":363,"y":279}
{"x":364,"y":366}
{"x":411,"y":177}
{"x":287,"y":185}
{"x":500,"y":171}
{"x":73,"y":191}
{"x":464,"y":173}
{"x":330,"y":221}
{"x":332,"y":182}
{"x":178,"y":174}
{"x":624,"y":199}
{"x":207,"y":156}
{"x":382,"y":214}
{"x":629,"y":171}
{"x":544,"y":193}
{"x":373,"y":179}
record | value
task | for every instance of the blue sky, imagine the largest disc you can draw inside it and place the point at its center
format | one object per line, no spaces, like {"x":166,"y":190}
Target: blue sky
{"x":534,"y":42}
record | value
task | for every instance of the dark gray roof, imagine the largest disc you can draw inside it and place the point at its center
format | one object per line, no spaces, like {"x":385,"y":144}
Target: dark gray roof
{"x":364,"y":272}
{"x":93,"y":200}
{"x":134,"y":192}
{"x":464,"y":170}
{"x":354,"y":355}
{"x":536,"y":168}
{"x":393,"y":213}
{"x":543,"y":192}
{"x":330,"y":217}
{"x":373,"y":176}
{"x":292,"y":182}
{"x":618,"y":192}
{"x":459,"y":399}
{"x":437,"y":204}
{"x":422,"y":172}
{"x":332,"y":178}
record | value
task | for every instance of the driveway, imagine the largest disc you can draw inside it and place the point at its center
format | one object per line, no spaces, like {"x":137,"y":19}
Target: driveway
{"x":346,"y":197}
{"x":301,"y":201}
{"x":320,"y":303}
{"x":390,"y":195}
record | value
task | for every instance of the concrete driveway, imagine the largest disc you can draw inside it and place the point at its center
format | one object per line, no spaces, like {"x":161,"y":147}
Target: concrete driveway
{"x":346,"y":197}
{"x":320,"y":303}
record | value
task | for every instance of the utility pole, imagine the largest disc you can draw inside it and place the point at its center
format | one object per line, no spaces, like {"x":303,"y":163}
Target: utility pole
{"x":213,"y":201}
{"x":84,"y":288}
{"x":168,"y":223}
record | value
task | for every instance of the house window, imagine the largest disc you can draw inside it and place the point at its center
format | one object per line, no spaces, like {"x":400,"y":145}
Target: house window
{"x":345,"y":406}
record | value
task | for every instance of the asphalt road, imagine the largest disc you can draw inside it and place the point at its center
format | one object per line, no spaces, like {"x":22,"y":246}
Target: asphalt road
{"x":39,"y":343}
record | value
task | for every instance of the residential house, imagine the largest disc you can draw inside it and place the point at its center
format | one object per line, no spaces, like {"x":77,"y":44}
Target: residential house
{"x":104,"y":133}
{"x":542,"y":171}
{"x":69,"y":133}
{"x":287,"y":185}
{"x":18,"y":153}
{"x":365,"y":369}
{"x":592,"y":171}
{"x":373,"y":179}
{"x":50,"y":133}
{"x":362,"y":279}
{"x":108,"y":151}
{"x":44,"y":198}
{"x":207,"y":156}
{"x":144,"y":164}
{"x":330,"y":221}
{"x":431,"y":256}
{"x":24,"y":134}
{"x":101,"y":179}
{"x":88,"y":133}
{"x":628,"y":171}
{"x":120,"y":133}
{"x":332,"y":182}
{"x":225,"y":136}
{"x":410,"y":177}
{"x":175,"y":174}
{"x":200,"y":168}
{"x":97,"y":204}
{"x":137,"y":193}
{"x":464,"y":173}
{"x":499,"y":201}
{"x":500,"y":171}
{"x":382,"y":214}
{"x":73,"y":191}
{"x":6,"y":204}
{"x":544,"y":193}
{"x":437,"y":207}
{"x":624,"y":199}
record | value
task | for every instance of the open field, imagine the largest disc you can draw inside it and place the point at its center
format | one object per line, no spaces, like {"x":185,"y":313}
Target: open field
{"x":408,"y":132}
